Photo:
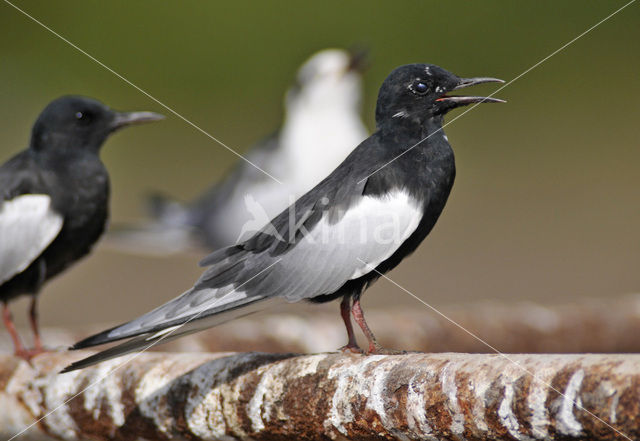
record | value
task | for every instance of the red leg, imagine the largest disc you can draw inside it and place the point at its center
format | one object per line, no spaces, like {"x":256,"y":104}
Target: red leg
{"x":33,"y":320}
{"x":345,"y":312}
{"x":8,"y":323}
{"x":358,"y":315}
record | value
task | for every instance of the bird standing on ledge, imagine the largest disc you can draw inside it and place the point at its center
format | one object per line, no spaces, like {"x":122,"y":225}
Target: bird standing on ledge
{"x":54,"y":199}
{"x":337,"y":239}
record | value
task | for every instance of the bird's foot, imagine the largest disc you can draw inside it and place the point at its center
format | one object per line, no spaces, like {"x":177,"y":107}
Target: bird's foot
{"x":376,"y":349}
{"x":351,"y":348}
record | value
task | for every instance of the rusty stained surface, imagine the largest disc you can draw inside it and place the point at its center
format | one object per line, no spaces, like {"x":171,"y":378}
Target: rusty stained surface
{"x":326,"y":396}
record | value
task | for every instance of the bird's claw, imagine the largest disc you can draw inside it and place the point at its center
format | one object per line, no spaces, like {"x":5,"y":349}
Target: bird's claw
{"x":351,"y":348}
{"x":376,"y":349}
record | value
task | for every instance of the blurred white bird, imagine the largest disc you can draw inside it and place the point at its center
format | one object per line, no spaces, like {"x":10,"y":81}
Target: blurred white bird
{"x":322,"y":124}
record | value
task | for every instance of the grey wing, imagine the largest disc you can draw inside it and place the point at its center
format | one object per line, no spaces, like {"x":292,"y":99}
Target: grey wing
{"x":321,"y":261}
{"x":340,"y":248}
{"x":28,"y":225}
{"x":313,"y":255}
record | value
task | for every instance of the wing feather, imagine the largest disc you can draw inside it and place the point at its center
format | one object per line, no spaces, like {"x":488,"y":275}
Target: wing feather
{"x":28,"y":225}
{"x":335,"y":250}
{"x":332,"y":253}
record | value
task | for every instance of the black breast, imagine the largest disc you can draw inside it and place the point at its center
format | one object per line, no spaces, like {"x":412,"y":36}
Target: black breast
{"x":85,"y":206}
{"x":427,"y":172}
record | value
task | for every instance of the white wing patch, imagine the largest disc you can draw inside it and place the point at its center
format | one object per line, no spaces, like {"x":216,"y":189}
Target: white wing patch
{"x":333,"y":253}
{"x":27,"y":226}
{"x":393,"y":225}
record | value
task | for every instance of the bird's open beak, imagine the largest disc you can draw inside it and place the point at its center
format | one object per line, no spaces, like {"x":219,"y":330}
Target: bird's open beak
{"x":455,"y":101}
{"x":129,"y":118}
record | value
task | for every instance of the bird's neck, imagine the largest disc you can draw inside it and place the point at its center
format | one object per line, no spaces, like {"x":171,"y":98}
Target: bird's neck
{"x":77,"y":160}
{"x":59,"y":144}
{"x":418,"y":160}
{"x":409,"y":132}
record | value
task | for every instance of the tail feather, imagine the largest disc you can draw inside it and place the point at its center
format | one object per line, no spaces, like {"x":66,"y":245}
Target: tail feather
{"x":141,"y":342}
{"x":165,"y":332}
{"x":95,"y":340}
{"x":157,"y":320}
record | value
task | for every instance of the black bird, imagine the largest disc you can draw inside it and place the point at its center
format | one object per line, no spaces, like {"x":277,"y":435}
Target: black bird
{"x":337,"y":239}
{"x":54,"y":199}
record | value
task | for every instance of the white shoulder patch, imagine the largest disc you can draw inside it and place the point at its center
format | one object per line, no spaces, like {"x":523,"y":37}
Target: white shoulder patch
{"x":332,"y":253}
{"x":391,"y":219}
{"x":27,"y":226}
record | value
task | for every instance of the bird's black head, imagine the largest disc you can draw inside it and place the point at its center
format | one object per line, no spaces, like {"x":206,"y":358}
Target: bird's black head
{"x":416,"y":93}
{"x":75,"y":122}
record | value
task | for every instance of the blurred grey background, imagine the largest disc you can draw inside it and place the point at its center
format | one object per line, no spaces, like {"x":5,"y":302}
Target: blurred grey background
{"x":546,"y":202}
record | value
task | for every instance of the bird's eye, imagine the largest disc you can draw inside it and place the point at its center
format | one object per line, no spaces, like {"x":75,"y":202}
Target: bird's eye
{"x":420,"y":88}
{"x":83,"y":117}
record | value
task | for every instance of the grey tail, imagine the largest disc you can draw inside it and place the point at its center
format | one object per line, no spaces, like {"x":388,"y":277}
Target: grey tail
{"x":140,"y":343}
{"x":145,"y":339}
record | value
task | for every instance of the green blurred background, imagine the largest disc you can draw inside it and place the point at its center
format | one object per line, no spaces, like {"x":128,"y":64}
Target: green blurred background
{"x":546,"y":203}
